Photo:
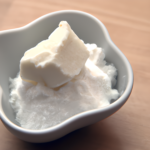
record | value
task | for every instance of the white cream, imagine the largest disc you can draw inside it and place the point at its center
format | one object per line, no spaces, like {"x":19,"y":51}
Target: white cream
{"x":40,"y":107}
{"x":55,"y":61}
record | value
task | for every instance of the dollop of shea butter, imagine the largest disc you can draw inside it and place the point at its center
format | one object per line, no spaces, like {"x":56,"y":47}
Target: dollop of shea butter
{"x":56,"y":60}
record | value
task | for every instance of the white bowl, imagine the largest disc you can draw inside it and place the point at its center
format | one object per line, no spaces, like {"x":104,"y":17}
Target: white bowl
{"x":13,"y":44}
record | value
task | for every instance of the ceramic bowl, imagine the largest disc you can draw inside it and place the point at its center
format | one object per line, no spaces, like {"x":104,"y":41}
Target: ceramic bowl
{"x":13,"y":44}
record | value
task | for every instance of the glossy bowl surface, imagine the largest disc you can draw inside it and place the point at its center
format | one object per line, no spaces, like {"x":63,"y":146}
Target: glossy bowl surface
{"x":13,"y":44}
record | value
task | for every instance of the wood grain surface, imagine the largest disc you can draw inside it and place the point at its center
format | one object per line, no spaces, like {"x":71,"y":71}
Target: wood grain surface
{"x":128,"y":23}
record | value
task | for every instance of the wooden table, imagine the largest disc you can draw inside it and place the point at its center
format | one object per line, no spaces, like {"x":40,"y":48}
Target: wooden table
{"x":128,"y":23}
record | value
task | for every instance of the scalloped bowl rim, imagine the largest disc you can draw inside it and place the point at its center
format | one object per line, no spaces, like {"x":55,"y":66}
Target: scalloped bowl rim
{"x":74,"y":118}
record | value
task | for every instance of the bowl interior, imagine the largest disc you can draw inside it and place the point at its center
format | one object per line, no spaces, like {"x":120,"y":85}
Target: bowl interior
{"x":14,"y":43}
